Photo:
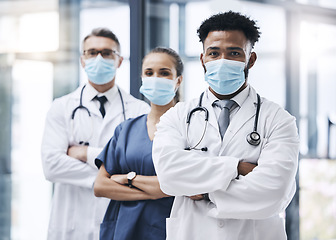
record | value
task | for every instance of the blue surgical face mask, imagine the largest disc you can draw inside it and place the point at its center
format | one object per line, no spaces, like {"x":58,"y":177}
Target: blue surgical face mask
{"x":159,"y":91}
{"x":225,"y":76}
{"x":100,"y":70}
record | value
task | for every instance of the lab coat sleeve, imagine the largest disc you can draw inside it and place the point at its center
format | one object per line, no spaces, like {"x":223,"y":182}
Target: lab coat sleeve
{"x":92,"y":153}
{"x":269,"y":188}
{"x":110,"y":156}
{"x":186,"y":173}
{"x":57,"y":165}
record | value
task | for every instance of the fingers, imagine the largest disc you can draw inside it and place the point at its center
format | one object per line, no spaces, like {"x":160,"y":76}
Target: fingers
{"x":197,"y":197}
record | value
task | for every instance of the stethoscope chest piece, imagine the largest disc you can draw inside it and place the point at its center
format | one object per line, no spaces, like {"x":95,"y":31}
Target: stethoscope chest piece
{"x":253,"y":138}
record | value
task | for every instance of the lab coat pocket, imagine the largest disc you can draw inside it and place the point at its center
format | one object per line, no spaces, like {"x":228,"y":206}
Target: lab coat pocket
{"x":107,"y":230}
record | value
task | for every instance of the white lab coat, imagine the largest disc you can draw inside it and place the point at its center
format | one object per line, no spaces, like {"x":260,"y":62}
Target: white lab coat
{"x":244,"y":208}
{"x":76,"y":213}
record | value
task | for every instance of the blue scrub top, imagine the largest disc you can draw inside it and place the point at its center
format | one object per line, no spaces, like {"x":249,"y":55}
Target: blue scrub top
{"x":130,"y":149}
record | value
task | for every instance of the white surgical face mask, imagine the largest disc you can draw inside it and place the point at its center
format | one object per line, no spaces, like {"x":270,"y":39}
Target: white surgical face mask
{"x":159,"y":91}
{"x":100,"y":70}
{"x":225,"y":76}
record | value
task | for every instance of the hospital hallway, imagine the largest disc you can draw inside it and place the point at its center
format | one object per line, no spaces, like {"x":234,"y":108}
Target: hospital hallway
{"x":40,"y":50}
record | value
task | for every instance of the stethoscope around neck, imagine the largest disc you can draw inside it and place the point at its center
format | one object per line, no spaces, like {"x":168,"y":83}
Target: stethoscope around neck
{"x":81,"y":106}
{"x":252,"y":138}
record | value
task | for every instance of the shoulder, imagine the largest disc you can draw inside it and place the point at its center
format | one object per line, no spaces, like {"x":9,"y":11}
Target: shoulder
{"x":128,"y":98}
{"x":137,"y":119}
{"x":269,"y":108}
{"x":273,"y":108}
{"x":277,"y":119}
{"x":178,"y":114}
{"x":61,"y":104}
{"x":131,"y":101}
{"x":63,"y":100}
{"x":182,"y":107}
{"x":127,"y":124}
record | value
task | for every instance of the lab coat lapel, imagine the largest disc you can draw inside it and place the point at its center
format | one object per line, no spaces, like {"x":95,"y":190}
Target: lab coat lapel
{"x":86,"y":99}
{"x":88,"y":94}
{"x":212,"y":116}
{"x":91,"y":105}
{"x":198,"y":124}
{"x":245,"y":113}
{"x":115,"y":110}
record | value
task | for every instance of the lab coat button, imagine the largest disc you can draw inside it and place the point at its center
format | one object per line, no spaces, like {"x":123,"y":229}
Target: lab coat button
{"x":220,"y":223}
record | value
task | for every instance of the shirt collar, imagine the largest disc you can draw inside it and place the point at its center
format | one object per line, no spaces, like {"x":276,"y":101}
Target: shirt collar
{"x":92,"y":92}
{"x":239,"y":98}
{"x":242,"y":96}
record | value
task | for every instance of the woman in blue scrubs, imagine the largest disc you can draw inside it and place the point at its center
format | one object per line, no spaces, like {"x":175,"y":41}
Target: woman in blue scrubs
{"x":138,"y":208}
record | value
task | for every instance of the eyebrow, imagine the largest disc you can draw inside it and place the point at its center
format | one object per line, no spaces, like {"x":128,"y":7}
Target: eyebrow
{"x":165,"y":69}
{"x":235,"y":48}
{"x":212,"y":48}
{"x":102,"y":49}
{"x":228,"y":48}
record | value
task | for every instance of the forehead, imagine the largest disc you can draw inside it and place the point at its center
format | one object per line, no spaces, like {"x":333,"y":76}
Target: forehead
{"x":100,"y":43}
{"x":223,"y":39}
{"x":158,"y":60}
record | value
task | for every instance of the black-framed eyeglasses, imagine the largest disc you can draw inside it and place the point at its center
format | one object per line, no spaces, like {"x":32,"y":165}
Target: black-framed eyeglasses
{"x":105,"y":53}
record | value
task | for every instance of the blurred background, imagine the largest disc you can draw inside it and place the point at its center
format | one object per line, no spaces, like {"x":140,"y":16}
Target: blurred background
{"x":40,"y":46}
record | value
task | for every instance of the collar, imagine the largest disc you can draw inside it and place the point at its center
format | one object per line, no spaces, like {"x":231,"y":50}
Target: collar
{"x":242,"y":96}
{"x":91,"y":92}
{"x":239,"y":98}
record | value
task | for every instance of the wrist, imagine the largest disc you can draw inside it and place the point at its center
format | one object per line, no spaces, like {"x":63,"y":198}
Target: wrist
{"x":84,"y":154}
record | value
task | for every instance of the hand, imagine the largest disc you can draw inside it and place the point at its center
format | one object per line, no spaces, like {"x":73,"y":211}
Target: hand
{"x":197,"y":197}
{"x":120,"y":178}
{"x":78,"y":152}
{"x":244,"y":168}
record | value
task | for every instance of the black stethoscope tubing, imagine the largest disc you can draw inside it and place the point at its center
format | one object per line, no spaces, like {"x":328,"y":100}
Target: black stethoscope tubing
{"x":252,"y":138}
{"x":81,"y":106}
{"x":206,"y":118}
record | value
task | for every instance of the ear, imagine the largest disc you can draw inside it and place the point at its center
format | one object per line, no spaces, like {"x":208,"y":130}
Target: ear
{"x":202,"y":61}
{"x":82,"y":60}
{"x":179,"y":81}
{"x":252,"y":60}
{"x":120,"y":61}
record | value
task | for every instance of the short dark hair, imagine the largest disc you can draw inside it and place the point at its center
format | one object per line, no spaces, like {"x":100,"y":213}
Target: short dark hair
{"x":103,"y":32}
{"x":230,"y":21}
{"x":178,"y":62}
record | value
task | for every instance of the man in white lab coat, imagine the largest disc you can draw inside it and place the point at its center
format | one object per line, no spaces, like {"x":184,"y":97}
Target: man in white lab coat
{"x":237,"y":185}
{"x":73,"y":137}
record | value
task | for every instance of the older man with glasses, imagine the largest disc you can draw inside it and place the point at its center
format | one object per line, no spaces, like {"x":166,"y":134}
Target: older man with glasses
{"x":77,"y":127}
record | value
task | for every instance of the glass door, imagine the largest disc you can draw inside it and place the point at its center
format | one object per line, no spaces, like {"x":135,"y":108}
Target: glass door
{"x":318,"y":138}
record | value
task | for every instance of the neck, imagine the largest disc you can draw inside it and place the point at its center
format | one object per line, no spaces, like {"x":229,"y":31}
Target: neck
{"x":157,"y":111}
{"x":103,"y":88}
{"x":222,"y":97}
